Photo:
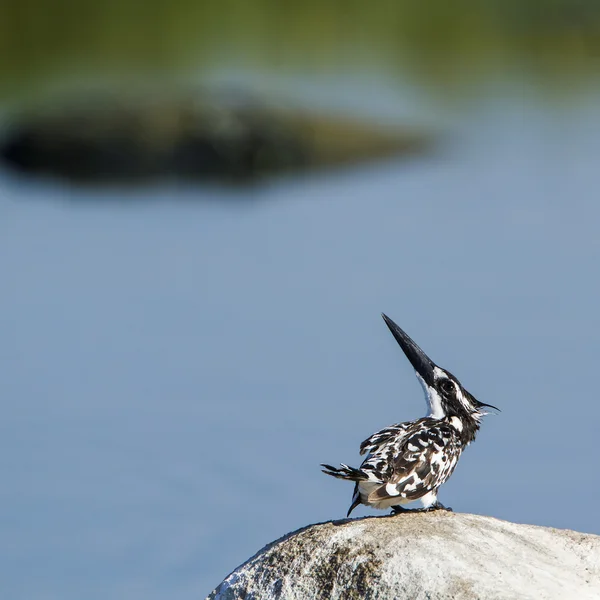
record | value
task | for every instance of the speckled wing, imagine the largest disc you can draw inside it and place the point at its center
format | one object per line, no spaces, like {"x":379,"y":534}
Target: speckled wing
{"x":391,"y":434}
{"x":421,"y":462}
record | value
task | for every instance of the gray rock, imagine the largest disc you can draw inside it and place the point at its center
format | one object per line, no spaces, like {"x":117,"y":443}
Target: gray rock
{"x":431,"y":556}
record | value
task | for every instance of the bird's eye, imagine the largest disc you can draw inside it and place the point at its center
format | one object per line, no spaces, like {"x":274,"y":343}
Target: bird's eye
{"x":447,"y":386}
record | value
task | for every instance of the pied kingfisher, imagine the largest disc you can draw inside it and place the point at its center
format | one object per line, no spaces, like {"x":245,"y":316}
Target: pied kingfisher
{"x":410,"y":461}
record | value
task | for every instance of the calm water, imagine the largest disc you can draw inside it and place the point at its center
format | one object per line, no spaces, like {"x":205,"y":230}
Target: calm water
{"x":175,"y":366}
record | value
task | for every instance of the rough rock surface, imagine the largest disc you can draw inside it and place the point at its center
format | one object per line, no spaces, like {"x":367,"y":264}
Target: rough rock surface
{"x":429,"y":556}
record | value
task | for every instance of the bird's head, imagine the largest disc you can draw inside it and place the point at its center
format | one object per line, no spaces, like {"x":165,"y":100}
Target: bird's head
{"x":445,"y":395}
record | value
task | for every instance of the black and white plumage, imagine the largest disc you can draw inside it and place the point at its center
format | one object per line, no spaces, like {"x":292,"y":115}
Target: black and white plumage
{"x":410,"y":461}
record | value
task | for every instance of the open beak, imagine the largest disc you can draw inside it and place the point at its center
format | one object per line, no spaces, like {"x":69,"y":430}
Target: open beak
{"x":422,"y":364}
{"x":482,"y":404}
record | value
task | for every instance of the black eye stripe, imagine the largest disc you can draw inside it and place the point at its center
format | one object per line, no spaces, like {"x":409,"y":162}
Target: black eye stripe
{"x":447,"y":386}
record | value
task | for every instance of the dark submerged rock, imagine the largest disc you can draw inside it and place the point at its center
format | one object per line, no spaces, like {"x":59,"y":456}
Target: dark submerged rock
{"x":203,"y":137}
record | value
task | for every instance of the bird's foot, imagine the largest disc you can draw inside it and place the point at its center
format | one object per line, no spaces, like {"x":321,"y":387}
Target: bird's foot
{"x":397,"y":510}
{"x":437,"y":506}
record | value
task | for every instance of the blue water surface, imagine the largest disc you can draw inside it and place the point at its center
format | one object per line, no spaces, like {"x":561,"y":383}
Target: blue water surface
{"x":175,"y":362}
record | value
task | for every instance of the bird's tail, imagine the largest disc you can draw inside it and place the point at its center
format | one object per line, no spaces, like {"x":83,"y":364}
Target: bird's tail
{"x":344,"y":472}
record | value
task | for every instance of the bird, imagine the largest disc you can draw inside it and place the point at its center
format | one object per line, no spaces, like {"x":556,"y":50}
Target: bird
{"x":410,"y":461}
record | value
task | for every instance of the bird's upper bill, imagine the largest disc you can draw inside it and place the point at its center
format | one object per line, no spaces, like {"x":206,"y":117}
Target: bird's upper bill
{"x":422,"y":364}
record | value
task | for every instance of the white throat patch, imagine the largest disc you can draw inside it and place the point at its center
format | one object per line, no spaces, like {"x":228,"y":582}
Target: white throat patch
{"x":434,"y":402}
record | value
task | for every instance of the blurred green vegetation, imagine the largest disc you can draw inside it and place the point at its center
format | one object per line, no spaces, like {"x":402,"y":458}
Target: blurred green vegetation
{"x":439,"y":42}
